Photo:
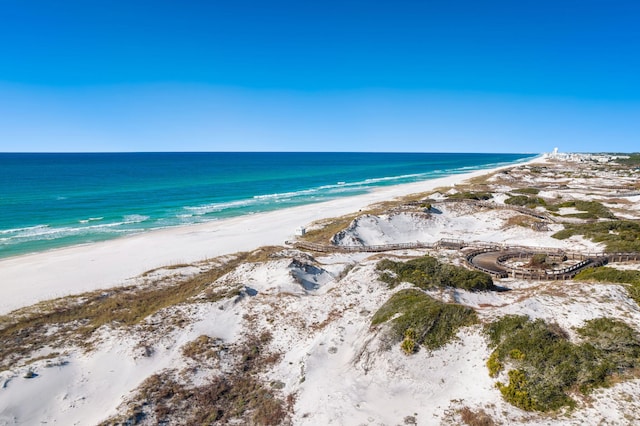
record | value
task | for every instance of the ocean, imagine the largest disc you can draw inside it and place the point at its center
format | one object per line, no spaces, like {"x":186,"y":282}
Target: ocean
{"x":55,"y":200}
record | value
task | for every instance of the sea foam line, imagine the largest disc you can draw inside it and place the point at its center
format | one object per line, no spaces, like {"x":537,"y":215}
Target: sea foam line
{"x":47,"y":232}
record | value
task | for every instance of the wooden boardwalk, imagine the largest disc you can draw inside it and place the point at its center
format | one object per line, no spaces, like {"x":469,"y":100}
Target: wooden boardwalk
{"x":489,"y":257}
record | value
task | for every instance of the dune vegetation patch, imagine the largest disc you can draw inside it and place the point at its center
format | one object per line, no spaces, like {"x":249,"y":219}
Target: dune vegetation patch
{"x":617,"y":235}
{"x":236,"y":397}
{"x":470,"y":195}
{"x":616,"y":276}
{"x":544,"y":367}
{"x":525,"y":201}
{"x":75,"y":318}
{"x":426,"y":272}
{"x":528,"y":191}
{"x":587,"y":209}
{"x":417,"y":319}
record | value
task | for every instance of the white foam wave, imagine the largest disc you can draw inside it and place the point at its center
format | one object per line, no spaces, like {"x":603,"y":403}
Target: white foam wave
{"x":287,"y":194}
{"x":91,"y":219}
{"x":47,"y":232}
{"x":217,"y":207}
{"x":22,"y":230}
{"x":290,"y":196}
{"x":135,"y":218}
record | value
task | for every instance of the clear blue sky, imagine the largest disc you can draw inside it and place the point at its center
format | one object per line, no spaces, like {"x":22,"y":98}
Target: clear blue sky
{"x":452,"y":76}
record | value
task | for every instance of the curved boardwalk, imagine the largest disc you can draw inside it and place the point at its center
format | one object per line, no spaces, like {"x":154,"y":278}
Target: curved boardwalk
{"x":490,"y":258}
{"x":488,"y":262}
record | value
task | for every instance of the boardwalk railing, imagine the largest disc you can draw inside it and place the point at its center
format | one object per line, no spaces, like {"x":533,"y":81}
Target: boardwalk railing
{"x":327,"y":248}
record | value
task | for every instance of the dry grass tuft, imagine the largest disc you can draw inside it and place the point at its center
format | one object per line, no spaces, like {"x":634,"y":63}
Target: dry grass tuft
{"x":476,"y":418}
{"x":236,"y":397}
{"x":520,"y":220}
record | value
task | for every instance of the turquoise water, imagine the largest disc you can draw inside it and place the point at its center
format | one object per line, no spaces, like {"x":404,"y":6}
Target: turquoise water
{"x":55,"y":200}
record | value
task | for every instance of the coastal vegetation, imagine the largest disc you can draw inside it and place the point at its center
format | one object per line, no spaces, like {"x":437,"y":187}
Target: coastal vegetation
{"x":544,"y":366}
{"x":417,"y":319}
{"x":76,"y":317}
{"x":617,"y":235}
{"x":525,"y":200}
{"x":237,"y":396}
{"x":470,"y":195}
{"x":633,"y":159}
{"x":426,"y":272}
{"x":587,"y":209}
{"x":528,"y":191}
{"x":323,"y":231}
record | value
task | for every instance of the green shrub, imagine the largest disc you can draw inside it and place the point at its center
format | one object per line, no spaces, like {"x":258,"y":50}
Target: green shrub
{"x":546,"y":365}
{"x":468,"y":195}
{"x":409,"y":346}
{"x":516,"y":392}
{"x":633,"y":160}
{"x":538,"y":259}
{"x":610,"y":275}
{"x":494,"y":365}
{"x":411,"y":312}
{"x":530,"y":191}
{"x":426,"y":272}
{"x":588,"y":209}
{"x":524,"y":200}
{"x":618,"y":235}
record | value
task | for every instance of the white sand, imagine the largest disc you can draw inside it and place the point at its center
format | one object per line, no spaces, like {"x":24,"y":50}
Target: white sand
{"x":32,"y":278}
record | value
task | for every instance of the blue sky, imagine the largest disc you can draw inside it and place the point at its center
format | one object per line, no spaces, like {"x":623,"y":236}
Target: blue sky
{"x":423,"y":76}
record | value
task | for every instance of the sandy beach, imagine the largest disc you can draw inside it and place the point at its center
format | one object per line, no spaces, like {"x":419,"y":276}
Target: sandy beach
{"x":36,"y":277}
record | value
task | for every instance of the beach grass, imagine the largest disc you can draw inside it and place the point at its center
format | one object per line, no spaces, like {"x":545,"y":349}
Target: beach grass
{"x":236,"y":397}
{"x":77,"y":317}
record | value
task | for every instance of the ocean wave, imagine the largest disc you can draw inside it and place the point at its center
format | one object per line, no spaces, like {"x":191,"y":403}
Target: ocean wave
{"x":286,"y":194}
{"x":47,"y":232}
{"x":21,"y":230}
{"x":135,"y":218}
{"x":217,"y":207}
{"x":91,"y":219}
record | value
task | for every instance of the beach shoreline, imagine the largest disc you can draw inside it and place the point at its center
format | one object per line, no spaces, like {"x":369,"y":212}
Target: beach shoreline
{"x":31,"y":278}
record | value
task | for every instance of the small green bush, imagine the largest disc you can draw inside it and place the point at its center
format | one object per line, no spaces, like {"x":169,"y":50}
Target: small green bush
{"x":524,"y":200}
{"x":426,"y":272}
{"x":529,"y":191}
{"x":516,"y":392}
{"x":546,"y":365}
{"x":409,"y":346}
{"x":468,"y":195}
{"x":416,"y":317}
{"x":494,"y":365}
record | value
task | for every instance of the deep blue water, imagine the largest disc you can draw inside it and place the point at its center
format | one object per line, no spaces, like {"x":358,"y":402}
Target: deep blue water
{"x":55,"y":200}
